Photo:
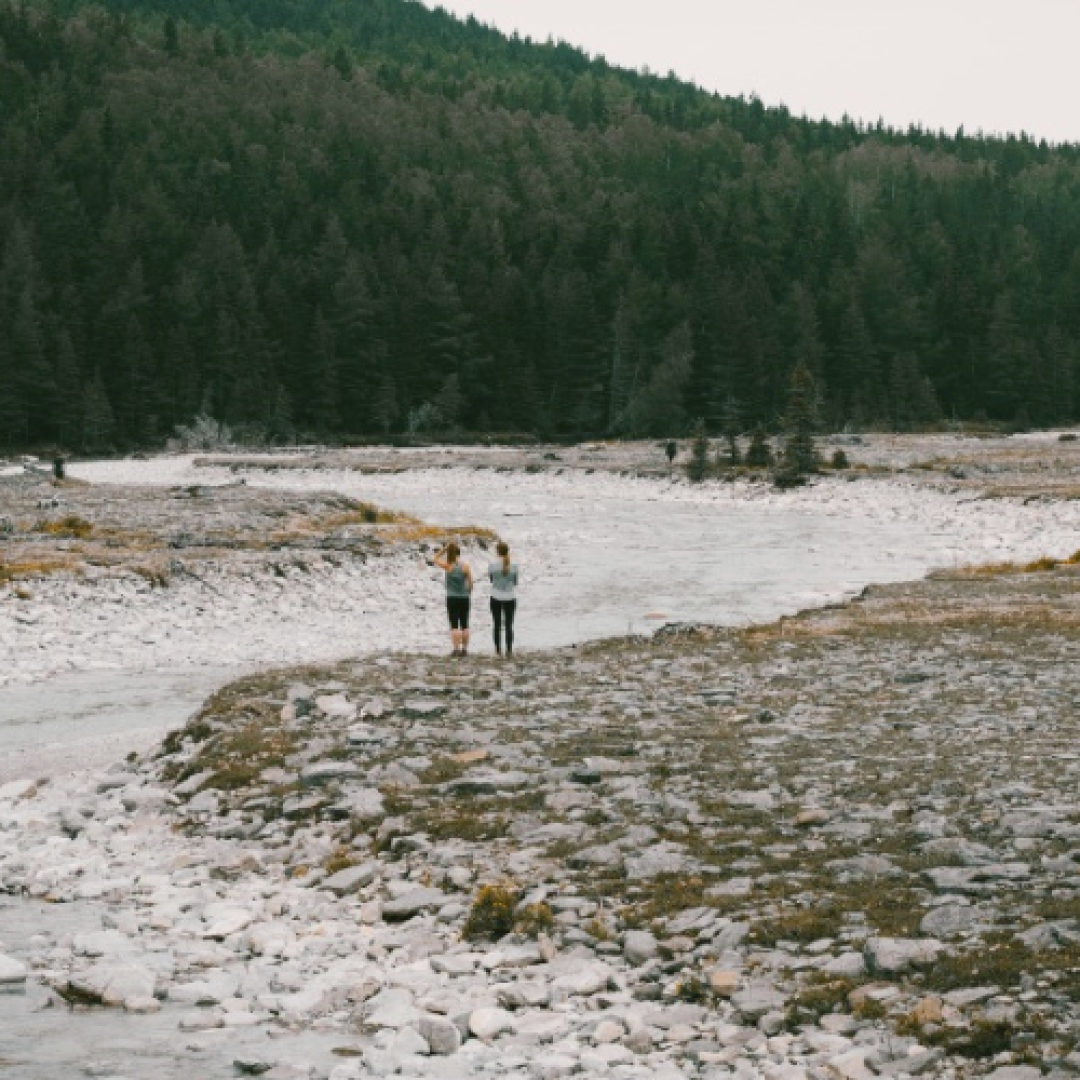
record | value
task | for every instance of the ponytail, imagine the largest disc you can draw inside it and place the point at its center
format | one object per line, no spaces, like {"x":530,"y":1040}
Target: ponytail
{"x":503,"y":549}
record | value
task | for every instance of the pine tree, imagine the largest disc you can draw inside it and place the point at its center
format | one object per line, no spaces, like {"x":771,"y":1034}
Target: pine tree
{"x":98,"y":420}
{"x":731,"y":420}
{"x":759,"y":454}
{"x":698,"y":465}
{"x":800,"y":421}
{"x":69,"y":393}
{"x":384,"y":408}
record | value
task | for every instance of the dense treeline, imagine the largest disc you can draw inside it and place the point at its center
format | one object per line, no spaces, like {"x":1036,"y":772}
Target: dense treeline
{"x":367,"y":217}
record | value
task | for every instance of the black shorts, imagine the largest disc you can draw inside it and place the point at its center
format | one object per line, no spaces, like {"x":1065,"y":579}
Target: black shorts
{"x":457,"y":607}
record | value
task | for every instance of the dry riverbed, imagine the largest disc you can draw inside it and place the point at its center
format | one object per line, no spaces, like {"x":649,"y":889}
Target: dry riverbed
{"x":842,"y":845}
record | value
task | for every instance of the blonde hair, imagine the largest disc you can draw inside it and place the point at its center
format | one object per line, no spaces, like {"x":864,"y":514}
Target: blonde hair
{"x":503,"y":549}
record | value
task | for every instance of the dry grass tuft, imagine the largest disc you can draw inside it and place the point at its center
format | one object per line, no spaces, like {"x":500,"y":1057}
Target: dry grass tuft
{"x":492,"y":914}
{"x":71,"y":526}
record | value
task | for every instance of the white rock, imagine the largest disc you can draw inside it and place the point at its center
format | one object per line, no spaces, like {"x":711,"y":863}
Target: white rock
{"x":392,"y":1008}
{"x":639,"y":946}
{"x":11,"y":971}
{"x":608,"y":1031}
{"x":408,"y":1042}
{"x":487,"y":1023}
{"x":893,"y":955}
{"x":351,"y":878}
{"x":336,"y":705}
{"x":590,"y":979}
{"x":441,"y":1035}
{"x":114,"y":982}
{"x":213,"y":990}
{"x":229,"y":922}
{"x":605,"y":1057}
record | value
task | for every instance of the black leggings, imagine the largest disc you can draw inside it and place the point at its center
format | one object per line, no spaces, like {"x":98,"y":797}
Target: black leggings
{"x":457,"y":608}
{"x":499,"y":608}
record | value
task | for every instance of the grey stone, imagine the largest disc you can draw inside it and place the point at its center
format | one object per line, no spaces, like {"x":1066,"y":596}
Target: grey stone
{"x":335,"y":705}
{"x":601,"y":855}
{"x":663,"y":858}
{"x":890,"y":956}
{"x":850,"y":965}
{"x":362,"y":734}
{"x":442,"y":1035}
{"x":949,"y":919}
{"x":253,"y":1066}
{"x":489,"y":782}
{"x":640,"y":946}
{"x":364,"y":803}
{"x":113,"y":983}
{"x":971,"y":995}
{"x":755,"y":1001}
{"x":866,"y":866}
{"x":351,"y":878}
{"x":412,"y":903}
{"x":422,"y":709}
{"x":324,"y":772}
{"x":408,"y":1042}
{"x":392,"y":1008}
{"x":486,"y":1023}
{"x":12,"y":971}
{"x":667,"y":1018}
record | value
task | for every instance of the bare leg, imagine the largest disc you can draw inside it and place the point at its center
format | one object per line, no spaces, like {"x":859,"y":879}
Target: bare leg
{"x":464,"y":642}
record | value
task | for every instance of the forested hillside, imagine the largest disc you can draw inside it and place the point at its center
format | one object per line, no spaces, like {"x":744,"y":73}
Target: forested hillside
{"x":364,"y":217}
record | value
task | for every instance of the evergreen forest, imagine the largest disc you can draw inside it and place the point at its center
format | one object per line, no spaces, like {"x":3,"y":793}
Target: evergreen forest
{"x":346,"y":219}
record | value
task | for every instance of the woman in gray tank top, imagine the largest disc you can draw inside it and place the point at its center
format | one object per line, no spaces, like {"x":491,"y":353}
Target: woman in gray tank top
{"x":459,"y":583}
{"x":504,"y":579}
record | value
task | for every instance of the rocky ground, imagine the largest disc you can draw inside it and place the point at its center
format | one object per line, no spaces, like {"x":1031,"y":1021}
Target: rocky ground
{"x":842,"y":845}
{"x":1043,"y":463}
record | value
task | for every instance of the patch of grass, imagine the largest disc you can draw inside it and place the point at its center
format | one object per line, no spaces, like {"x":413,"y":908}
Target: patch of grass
{"x":667,"y":895}
{"x":694,"y":990}
{"x":462,"y":821}
{"x":238,"y":755}
{"x":983,"y":1038}
{"x":999,"y":960}
{"x":197,"y":731}
{"x":820,"y":995}
{"x":534,"y":920}
{"x":492,"y":914}
{"x":443,"y":770}
{"x":340,"y":860}
{"x":810,"y":924}
{"x":71,"y":526}
{"x":1004,"y":569}
{"x":31,"y":568}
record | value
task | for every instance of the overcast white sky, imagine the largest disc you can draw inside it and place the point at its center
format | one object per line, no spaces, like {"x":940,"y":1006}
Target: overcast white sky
{"x":994,"y":65}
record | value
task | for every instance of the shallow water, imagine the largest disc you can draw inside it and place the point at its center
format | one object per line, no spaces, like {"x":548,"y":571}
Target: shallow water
{"x":603,"y":563}
{"x":41,"y":1038}
{"x":91,"y":719}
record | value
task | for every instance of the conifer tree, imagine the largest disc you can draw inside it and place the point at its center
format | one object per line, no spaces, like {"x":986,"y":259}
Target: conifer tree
{"x":98,"y":420}
{"x":800,"y":422}
{"x":759,"y":454}
{"x":698,"y":465}
{"x":732,"y":420}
